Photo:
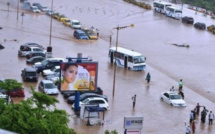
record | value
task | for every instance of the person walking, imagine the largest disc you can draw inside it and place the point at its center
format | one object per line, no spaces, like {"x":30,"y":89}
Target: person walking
{"x":172,"y":89}
{"x":188,"y":131}
{"x":193,"y":127}
{"x":197,"y":109}
{"x":148,"y":77}
{"x":182,"y":94}
{"x":134,"y":100}
{"x":180,"y":85}
{"x":191,"y":117}
{"x":211,"y":117}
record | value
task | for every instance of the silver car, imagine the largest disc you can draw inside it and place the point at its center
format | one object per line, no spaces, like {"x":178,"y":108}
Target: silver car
{"x":48,"y":87}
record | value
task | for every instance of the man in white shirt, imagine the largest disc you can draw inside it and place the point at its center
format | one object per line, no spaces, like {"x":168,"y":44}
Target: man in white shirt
{"x":211,"y":117}
{"x":188,"y":131}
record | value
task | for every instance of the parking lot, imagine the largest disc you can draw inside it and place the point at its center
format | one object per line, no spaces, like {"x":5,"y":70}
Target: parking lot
{"x":152,"y":35}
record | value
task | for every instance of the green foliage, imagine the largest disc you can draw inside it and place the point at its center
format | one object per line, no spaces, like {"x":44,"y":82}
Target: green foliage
{"x":112,"y":132}
{"x":207,"y":4}
{"x":33,"y":116}
{"x":10,"y":84}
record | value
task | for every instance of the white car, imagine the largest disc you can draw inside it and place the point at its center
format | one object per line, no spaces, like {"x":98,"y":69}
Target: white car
{"x":40,"y":63}
{"x":51,"y":71}
{"x":48,"y":87}
{"x":35,"y":9}
{"x":75,"y":24}
{"x":44,"y":9}
{"x":94,"y":101}
{"x":173,"y":98}
{"x":3,"y":96}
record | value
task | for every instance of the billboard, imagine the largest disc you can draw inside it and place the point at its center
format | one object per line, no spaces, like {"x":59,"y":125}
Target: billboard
{"x":135,"y":122}
{"x":79,"y":76}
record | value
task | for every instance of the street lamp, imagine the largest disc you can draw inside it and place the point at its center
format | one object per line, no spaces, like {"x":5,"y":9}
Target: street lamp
{"x":17,"y":9}
{"x":22,"y":17}
{"x":118,"y":28}
{"x":8,"y":5}
{"x":49,"y":48}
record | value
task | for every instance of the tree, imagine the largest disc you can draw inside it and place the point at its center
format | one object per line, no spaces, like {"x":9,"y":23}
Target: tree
{"x":8,"y":85}
{"x":34,"y":116}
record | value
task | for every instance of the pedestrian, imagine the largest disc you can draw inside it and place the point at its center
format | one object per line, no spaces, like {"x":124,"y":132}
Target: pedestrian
{"x":191,"y":117}
{"x":211,"y":118}
{"x":203,"y":115}
{"x":180,"y":85}
{"x":172,"y":89}
{"x":188,"y":131}
{"x":193,"y":127}
{"x":197,"y":109}
{"x":134,"y":100}
{"x":194,"y":114}
{"x":148,"y":77}
{"x":182,"y":94}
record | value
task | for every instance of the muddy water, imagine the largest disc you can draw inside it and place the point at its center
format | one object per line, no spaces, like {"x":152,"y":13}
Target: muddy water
{"x":152,"y":35}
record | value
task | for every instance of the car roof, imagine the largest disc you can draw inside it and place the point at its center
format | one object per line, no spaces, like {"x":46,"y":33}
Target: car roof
{"x":75,"y":21}
{"x":171,"y":92}
{"x":80,"y":31}
{"x":95,"y":98}
{"x":46,"y":81}
{"x":30,"y":69}
{"x":37,"y":57}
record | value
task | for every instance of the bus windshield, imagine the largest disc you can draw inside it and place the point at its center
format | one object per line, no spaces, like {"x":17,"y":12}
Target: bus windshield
{"x":139,"y":59}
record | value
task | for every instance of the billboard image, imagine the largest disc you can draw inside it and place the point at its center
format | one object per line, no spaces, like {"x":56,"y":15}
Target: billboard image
{"x":79,"y":76}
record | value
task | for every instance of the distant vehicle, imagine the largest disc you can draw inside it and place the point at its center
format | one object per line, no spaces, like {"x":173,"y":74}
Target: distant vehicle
{"x":35,"y":9}
{"x":54,"y":77}
{"x":55,"y":15}
{"x":27,"y":5}
{"x":173,"y":12}
{"x":5,"y":97}
{"x":188,"y":20}
{"x":92,"y":34}
{"x":94,"y":101}
{"x":79,"y":34}
{"x":29,"y":74}
{"x":200,"y":25}
{"x":67,"y":22}
{"x":67,"y":94}
{"x":35,"y":59}
{"x":75,"y":24}
{"x":33,"y":54}
{"x":48,"y":87}
{"x":127,"y":58}
{"x":161,"y":6}
{"x":38,"y":5}
{"x":48,"y":64}
{"x":61,"y":18}
{"x":173,"y":98}
{"x":51,"y":71}
{"x":71,"y":99}
{"x":25,"y":46}
{"x":16,"y":92}
{"x":49,"y":12}
{"x":211,"y":28}
{"x":44,"y":9}
{"x":30,"y":49}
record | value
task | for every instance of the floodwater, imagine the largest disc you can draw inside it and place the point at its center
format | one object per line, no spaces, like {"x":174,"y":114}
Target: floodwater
{"x":153,"y":36}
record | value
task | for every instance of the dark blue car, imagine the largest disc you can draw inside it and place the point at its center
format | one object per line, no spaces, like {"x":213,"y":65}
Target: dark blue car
{"x":79,"y":34}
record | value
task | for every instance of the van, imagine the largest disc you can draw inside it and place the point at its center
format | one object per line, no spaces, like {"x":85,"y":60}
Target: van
{"x":75,"y":24}
{"x":79,"y":34}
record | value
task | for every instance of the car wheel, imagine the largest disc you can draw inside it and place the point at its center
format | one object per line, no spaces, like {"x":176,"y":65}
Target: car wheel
{"x":161,"y":99}
{"x":171,"y":104}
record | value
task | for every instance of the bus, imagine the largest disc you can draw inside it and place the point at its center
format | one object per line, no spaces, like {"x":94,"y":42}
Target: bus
{"x":127,"y":58}
{"x":174,"y":12}
{"x":160,"y":6}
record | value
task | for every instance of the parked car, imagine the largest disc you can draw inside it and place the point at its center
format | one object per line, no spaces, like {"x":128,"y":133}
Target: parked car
{"x":71,"y":99}
{"x":200,"y":25}
{"x":188,"y":20}
{"x":48,"y":64}
{"x":16,"y":92}
{"x":94,"y":101}
{"x":75,"y":24}
{"x":5,"y":97}
{"x":91,"y":33}
{"x":25,"y":46}
{"x":61,"y":18}
{"x":67,"y":94}
{"x":173,"y":98}
{"x":49,"y":12}
{"x":44,"y":9}
{"x":29,"y":74}
{"x":79,"y":34}
{"x":55,"y":15}
{"x":48,"y":87}
{"x":38,"y":5}
{"x":30,"y":49}
{"x":67,"y":22}
{"x":53,"y":77}
{"x":211,"y":28}
{"x":51,"y":71}
{"x":35,"y":53}
{"x":35,"y":9}
{"x":35,"y":59}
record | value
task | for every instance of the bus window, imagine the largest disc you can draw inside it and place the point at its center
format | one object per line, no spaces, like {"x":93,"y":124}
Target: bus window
{"x":139,"y":59}
{"x":130,"y":59}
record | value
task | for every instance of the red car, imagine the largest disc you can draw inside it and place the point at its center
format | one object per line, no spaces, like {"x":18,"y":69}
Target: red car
{"x":19,"y":92}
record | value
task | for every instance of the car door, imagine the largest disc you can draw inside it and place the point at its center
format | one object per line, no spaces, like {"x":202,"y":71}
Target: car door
{"x":101,"y":103}
{"x":166,"y":97}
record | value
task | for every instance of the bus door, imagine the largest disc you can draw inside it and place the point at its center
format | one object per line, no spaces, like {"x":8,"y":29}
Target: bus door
{"x":125,"y":61}
{"x":111,"y":56}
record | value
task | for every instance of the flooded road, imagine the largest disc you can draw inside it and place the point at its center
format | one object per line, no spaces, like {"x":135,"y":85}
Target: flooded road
{"x":153,"y":36}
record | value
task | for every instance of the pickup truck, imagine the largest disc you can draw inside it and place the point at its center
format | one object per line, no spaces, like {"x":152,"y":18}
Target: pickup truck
{"x":23,"y":53}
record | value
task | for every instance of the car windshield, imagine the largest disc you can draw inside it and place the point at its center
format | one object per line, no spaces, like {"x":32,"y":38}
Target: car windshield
{"x":49,"y":86}
{"x":139,"y":59}
{"x":76,"y":23}
{"x":178,"y":11}
{"x":44,"y":62}
{"x":82,"y":34}
{"x":175,"y":97}
{"x":67,"y":20}
{"x":31,"y":74}
{"x":85,"y":101}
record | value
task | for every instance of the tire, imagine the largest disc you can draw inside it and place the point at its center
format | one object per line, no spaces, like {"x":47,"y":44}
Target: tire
{"x":161,"y":99}
{"x":171,"y":104}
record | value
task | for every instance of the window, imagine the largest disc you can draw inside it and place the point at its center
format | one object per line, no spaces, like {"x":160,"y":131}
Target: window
{"x":166,"y":94}
{"x":130,"y":59}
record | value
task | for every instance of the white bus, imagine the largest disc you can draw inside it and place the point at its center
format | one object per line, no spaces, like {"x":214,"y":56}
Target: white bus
{"x":160,"y":6}
{"x":127,"y":58}
{"x":174,"y":12}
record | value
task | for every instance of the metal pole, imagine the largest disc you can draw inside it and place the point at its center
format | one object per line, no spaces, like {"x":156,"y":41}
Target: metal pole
{"x":17,"y":10}
{"x":114,"y":78}
{"x":51,"y":25}
{"x":110,"y":40}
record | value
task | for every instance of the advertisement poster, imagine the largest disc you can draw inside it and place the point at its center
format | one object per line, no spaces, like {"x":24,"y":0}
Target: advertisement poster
{"x":79,"y":76}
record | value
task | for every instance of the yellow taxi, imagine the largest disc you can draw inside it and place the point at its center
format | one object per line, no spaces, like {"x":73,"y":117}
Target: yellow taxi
{"x":91,"y":33}
{"x":211,"y":28}
{"x":54,"y":15}
{"x":61,"y":18}
{"x":67,"y":22}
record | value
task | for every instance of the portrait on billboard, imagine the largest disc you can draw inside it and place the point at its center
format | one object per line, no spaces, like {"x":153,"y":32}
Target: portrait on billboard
{"x":78,"y":76}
